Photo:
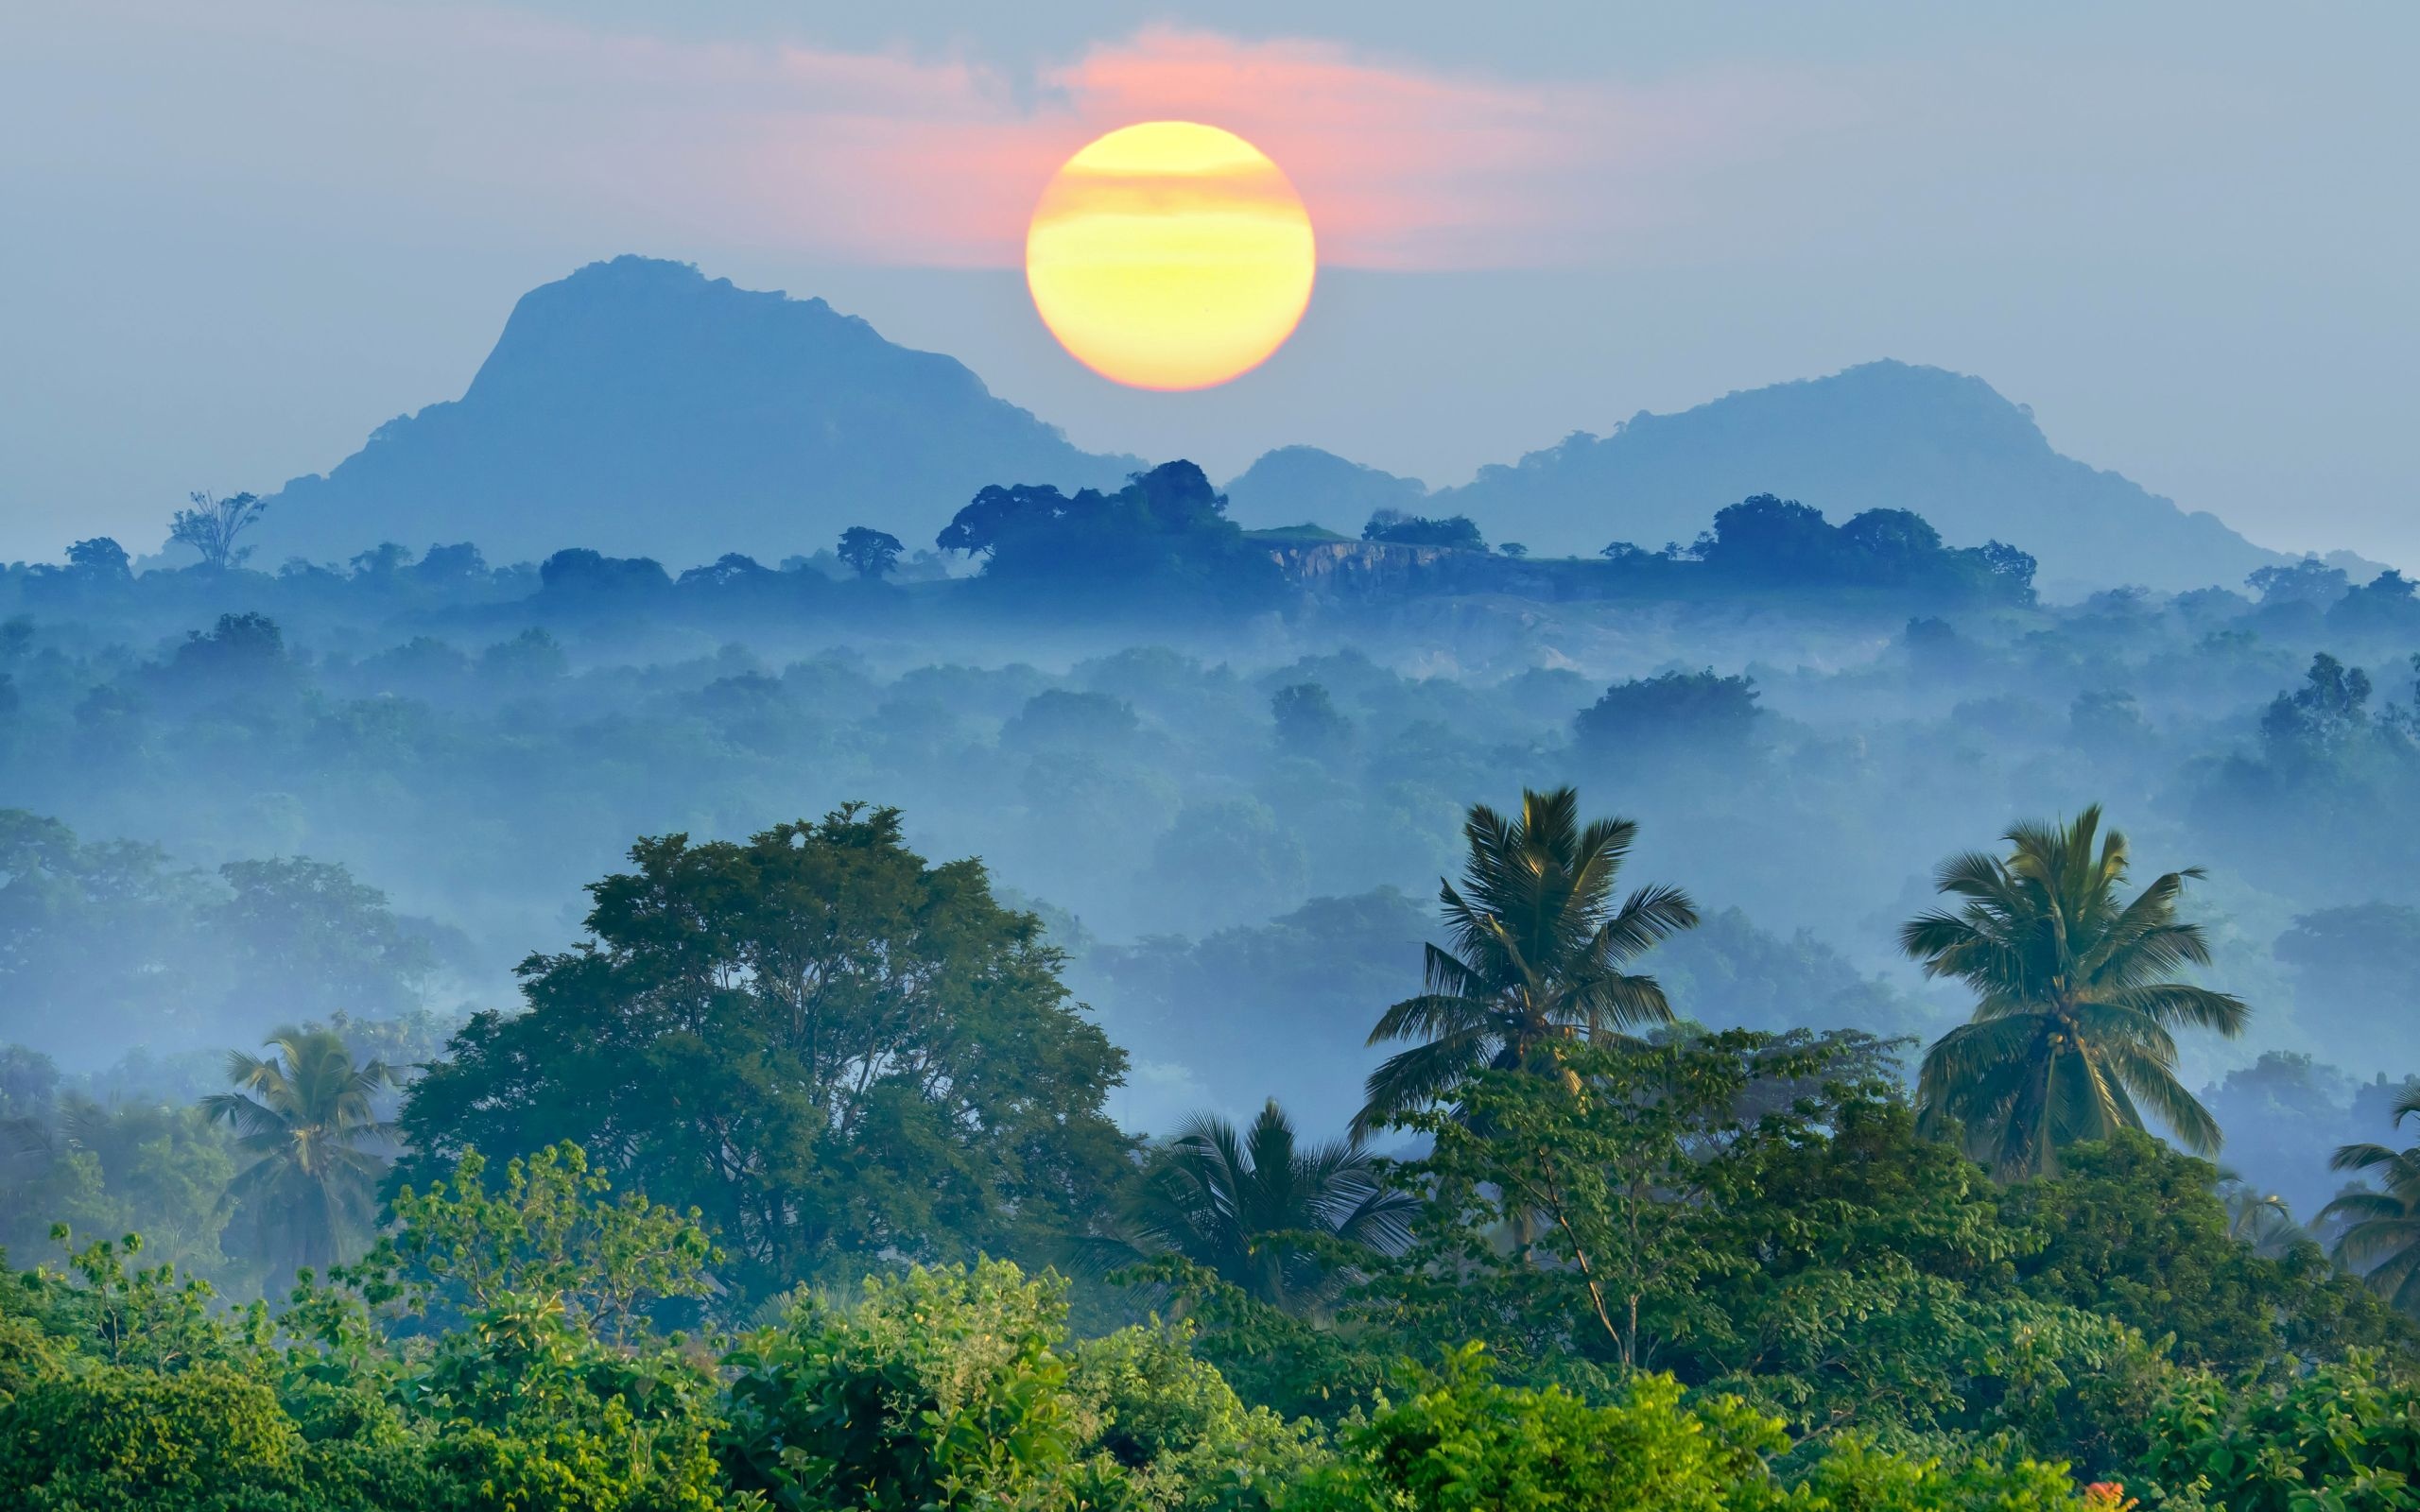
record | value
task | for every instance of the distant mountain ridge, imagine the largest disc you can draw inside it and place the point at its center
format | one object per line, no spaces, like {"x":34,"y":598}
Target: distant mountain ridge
{"x":639,"y":408}
{"x":1886,"y":434}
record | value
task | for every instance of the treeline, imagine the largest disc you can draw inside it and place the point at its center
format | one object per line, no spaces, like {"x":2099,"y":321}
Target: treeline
{"x":1161,"y":548}
{"x":775,"y":1128}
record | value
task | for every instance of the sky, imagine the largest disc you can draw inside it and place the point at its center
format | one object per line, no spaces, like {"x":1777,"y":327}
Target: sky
{"x":235,"y":238}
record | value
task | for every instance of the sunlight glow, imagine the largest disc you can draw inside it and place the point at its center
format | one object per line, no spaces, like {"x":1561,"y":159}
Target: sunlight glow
{"x":1170,"y":255}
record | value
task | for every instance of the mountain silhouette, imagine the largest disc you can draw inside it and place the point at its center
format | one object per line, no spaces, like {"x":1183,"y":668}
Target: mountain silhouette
{"x":1882,"y":436}
{"x":1294,"y":485}
{"x":639,"y":408}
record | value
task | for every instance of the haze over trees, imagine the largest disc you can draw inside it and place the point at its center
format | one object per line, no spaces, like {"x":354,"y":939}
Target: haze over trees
{"x":761,"y":1174}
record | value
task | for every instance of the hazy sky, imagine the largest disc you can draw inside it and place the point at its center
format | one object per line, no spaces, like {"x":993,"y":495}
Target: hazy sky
{"x":235,"y":238}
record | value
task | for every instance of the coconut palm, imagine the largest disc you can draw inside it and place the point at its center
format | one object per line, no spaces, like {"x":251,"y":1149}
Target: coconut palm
{"x":2071,"y":1035}
{"x":1538,"y":947}
{"x":1242,"y":1203}
{"x":2380,"y":1234}
{"x":2261,"y":1220}
{"x":305,"y":1113}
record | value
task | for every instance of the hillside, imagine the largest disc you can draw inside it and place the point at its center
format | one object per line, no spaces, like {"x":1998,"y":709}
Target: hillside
{"x":1296,"y":483}
{"x":1882,"y":436}
{"x":638,"y":407}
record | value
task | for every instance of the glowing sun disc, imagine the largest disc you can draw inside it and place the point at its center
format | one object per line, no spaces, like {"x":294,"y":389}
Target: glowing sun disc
{"x":1170,"y":255}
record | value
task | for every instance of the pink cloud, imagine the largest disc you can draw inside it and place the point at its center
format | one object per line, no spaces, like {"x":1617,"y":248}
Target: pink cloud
{"x":1400,"y":166}
{"x":889,"y":157}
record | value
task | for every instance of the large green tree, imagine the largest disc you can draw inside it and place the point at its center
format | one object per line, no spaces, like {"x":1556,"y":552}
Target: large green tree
{"x":814,"y":1038}
{"x":1538,"y":947}
{"x":305,"y":1115}
{"x":2072,"y":1036}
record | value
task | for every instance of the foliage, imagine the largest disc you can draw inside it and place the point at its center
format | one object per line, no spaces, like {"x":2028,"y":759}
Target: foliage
{"x":213,"y":526}
{"x":549,"y":1234}
{"x":2380,"y":1234}
{"x":2071,"y":1034}
{"x":1162,"y":540}
{"x":868,"y":551}
{"x":302,"y":1116}
{"x":1458,"y":1441}
{"x":1768,"y":540}
{"x":1696,"y":713}
{"x":188,"y":954}
{"x":1578,"y":1213}
{"x":1395,"y":527}
{"x":1243,"y":1203}
{"x":2131,"y":1229}
{"x":958,"y":1388}
{"x":1308,"y":721}
{"x":816,"y":1039}
{"x":1538,"y":945}
{"x":2345,"y":1436}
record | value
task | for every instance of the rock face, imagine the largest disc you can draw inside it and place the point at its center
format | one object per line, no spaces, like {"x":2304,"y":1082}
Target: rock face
{"x":1882,"y":436}
{"x":639,"y":408}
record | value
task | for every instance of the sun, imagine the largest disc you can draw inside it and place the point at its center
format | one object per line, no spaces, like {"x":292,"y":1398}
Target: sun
{"x":1170,"y":255}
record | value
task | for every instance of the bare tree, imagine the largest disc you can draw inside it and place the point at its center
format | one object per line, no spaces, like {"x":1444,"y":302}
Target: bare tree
{"x":212,"y":526}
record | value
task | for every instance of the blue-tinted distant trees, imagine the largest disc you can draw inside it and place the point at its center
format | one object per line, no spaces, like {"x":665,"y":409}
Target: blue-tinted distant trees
{"x":99,"y":561}
{"x":1161,"y":544}
{"x":1308,"y":722}
{"x":213,"y":525}
{"x":1699,"y":714}
{"x":1394,"y":527}
{"x":868,"y":551}
{"x":1783,"y":544}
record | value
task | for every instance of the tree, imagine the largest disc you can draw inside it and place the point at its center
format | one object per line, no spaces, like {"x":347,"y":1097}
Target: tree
{"x":1397,"y":528}
{"x":1238,"y":1203}
{"x":824,"y":1043}
{"x":1161,"y":544}
{"x":2072,"y":1035}
{"x":2380,"y":1236}
{"x":1699,"y":714}
{"x":304,"y":1115}
{"x":870,"y":553}
{"x":99,"y":560}
{"x":2324,"y":715}
{"x":1536,"y":956}
{"x":305,"y":938}
{"x":1309,"y":723}
{"x":211,"y":526}
{"x":2136,"y":1230}
{"x":551,"y":1234}
{"x":2307,"y":581}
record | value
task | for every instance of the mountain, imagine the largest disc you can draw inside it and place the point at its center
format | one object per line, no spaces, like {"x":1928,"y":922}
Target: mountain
{"x":1882,"y":436}
{"x":639,"y":408}
{"x":1295,"y":484}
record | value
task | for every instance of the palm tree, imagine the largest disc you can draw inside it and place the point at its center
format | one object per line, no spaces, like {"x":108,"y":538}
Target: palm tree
{"x":305,"y":1113}
{"x":2071,"y":1035}
{"x":1536,"y":959}
{"x":2261,"y":1220}
{"x":2381,"y":1228}
{"x":1239,"y":1202}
